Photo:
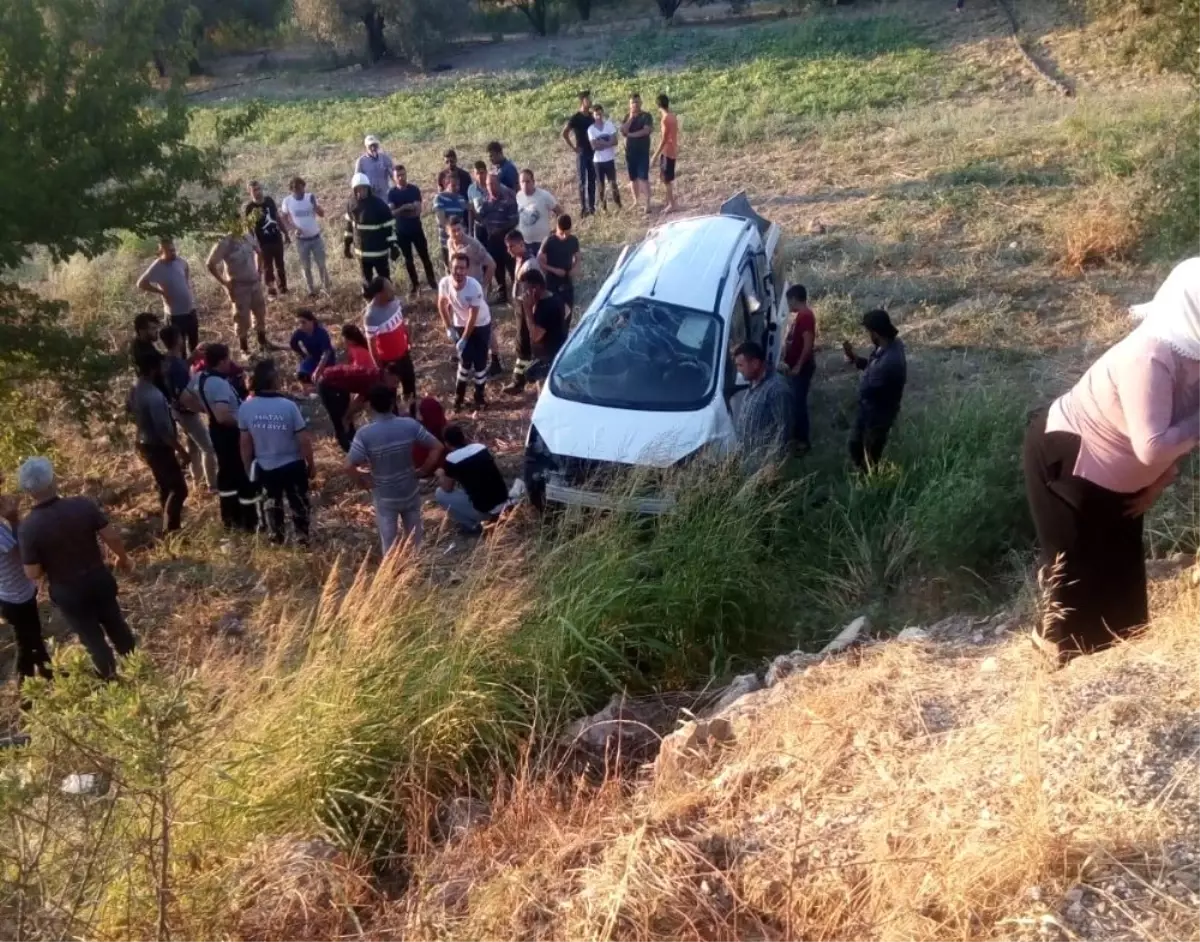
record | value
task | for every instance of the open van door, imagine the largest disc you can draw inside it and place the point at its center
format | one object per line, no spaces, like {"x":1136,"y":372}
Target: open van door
{"x":773,"y":286}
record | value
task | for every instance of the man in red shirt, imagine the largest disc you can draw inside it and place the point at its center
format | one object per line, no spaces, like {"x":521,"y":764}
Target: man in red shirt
{"x":344,"y":390}
{"x":799,"y":364}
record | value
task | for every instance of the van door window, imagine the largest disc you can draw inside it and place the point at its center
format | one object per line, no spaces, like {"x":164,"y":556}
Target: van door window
{"x":754,"y":303}
{"x":737,"y":335}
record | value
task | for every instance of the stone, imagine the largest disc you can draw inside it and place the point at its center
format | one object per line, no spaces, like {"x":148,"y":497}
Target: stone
{"x":913,"y":633}
{"x":847,"y":636}
{"x":459,"y":815}
{"x":691,"y":747}
{"x":989,"y":666}
{"x":816,"y":227}
{"x":787,"y":664}
{"x":626,"y":729}
{"x":739,"y":687}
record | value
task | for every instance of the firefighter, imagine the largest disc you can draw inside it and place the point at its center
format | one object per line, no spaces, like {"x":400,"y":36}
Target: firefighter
{"x":370,"y":230}
{"x":239,"y":495}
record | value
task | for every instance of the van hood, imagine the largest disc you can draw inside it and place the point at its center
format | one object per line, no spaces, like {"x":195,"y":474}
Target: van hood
{"x":627,"y":436}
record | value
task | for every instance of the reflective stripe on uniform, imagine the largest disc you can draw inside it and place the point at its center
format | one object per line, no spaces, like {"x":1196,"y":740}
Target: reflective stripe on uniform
{"x":363,"y":227}
{"x":361,"y":254}
{"x":224,"y":494}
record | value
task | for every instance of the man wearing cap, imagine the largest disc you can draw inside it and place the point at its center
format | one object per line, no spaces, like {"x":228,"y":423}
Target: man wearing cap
{"x":370,"y":231}
{"x":377,"y":165}
{"x":880,"y":389}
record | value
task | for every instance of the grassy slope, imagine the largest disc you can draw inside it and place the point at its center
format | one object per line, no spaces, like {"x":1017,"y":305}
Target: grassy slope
{"x":947,"y":181}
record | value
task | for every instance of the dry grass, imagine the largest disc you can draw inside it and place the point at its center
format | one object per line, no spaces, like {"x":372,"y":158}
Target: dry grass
{"x":915,"y":792}
{"x":1100,"y":227}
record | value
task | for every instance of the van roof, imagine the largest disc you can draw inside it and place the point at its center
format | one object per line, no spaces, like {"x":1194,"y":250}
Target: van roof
{"x":683,"y":262}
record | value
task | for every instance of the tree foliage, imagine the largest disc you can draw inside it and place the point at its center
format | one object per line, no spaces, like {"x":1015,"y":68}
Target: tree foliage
{"x":91,"y":145}
{"x":410,"y":30}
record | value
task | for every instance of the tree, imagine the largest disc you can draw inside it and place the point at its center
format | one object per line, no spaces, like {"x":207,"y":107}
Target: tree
{"x":411,"y":30}
{"x":196,"y":19}
{"x":91,"y":145}
{"x":668,"y":7}
{"x":536,"y":11}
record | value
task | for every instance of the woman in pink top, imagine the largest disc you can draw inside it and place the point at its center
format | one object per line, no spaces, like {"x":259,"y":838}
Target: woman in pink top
{"x":1098,"y":458}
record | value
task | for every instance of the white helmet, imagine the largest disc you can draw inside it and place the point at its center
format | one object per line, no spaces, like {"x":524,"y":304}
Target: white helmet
{"x":359,"y":179}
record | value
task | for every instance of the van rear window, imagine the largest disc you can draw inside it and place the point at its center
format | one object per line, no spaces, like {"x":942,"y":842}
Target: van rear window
{"x":642,"y":355}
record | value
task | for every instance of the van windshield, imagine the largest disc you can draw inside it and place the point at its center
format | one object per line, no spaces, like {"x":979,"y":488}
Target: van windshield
{"x":642,"y":354}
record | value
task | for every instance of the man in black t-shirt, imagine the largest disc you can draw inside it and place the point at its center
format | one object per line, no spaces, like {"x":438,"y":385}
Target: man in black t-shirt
{"x":585,"y":161}
{"x":407,"y":206}
{"x":546,"y":316}
{"x":470,"y":486}
{"x":558,"y":259}
{"x":271,"y":236}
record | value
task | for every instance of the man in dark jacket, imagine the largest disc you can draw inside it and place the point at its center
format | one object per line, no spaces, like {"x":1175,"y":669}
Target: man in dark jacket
{"x":880,"y":389}
{"x":157,"y":438}
{"x":370,"y":231}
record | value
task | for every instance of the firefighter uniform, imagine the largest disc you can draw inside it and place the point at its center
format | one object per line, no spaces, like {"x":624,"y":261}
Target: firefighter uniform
{"x":371,"y":232}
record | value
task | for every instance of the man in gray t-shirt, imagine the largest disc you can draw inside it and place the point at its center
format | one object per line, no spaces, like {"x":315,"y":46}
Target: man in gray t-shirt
{"x":276,"y":439}
{"x":385,"y":447}
{"x":170,"y":278}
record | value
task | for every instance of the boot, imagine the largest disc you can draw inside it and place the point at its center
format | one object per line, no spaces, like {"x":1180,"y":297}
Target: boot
{"x":494,"y":367}
{"x":460,"y":393}
{"x":244,"y":343}
{"x":265,"y":345}
{"x":480,"y":399}
{"x":516,"y":387}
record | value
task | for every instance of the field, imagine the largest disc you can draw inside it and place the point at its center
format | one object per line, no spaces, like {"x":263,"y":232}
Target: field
{"x":914,"y":162}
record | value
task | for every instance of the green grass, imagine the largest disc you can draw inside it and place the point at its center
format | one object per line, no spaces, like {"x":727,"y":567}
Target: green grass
{"x":763,"y":82}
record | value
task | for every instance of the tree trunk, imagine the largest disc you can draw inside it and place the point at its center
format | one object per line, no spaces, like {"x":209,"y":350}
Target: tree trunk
{"x":584,"y":7}
{"x":535,"y":11}
{"x":376,"y":44}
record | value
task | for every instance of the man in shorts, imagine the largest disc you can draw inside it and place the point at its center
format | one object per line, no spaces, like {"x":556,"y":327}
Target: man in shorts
{"x":668,"y":150}
{"x":637,"y":128}
{"x":235,"y":261}
{"x":603,"y":137}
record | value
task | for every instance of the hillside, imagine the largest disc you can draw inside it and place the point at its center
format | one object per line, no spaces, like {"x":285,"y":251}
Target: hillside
{"x":312,"y":744}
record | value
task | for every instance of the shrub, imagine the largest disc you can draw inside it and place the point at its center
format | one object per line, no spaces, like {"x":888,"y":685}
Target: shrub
{"x":1164,"y":33}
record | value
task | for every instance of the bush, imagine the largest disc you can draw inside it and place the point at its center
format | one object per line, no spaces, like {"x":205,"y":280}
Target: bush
{"x":1164,"y":33}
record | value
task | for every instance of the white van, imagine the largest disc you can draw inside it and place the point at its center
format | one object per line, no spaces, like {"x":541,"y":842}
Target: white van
{"x":646,"y":379}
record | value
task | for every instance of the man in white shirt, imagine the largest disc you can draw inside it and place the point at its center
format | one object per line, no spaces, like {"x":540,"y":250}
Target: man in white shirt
{"x":468,"y":322}
{"x":302,"y":214}
{"x":536,"y":211}
{"x":603,"y":136}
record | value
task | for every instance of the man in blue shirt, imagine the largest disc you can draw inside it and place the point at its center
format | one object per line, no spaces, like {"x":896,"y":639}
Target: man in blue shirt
{"x":764,"y":421}
{"x":504,"y":168}
{"x":449,"y":205}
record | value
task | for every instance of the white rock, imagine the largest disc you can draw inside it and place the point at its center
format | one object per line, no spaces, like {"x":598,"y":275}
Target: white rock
{"x":690,"y":747}
{"x":989,"y":665}
{"x":738,"y":687}
{"x":913,"y":633}
{"x":787,"y":664}
{"x":847,"y":636}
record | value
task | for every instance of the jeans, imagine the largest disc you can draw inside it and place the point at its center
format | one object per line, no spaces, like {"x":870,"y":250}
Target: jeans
{"x":409,"y":242}
{"x":867,"y":444}
{"x":273,"y":265}
{"x":585,"y":167}
{"x":388,"y":512}
{"x":168,"y":475}
{"x":458,"y":505}
{"x":800,"y":386}
{"x":311,"y":250}
{"x":506,"y":265}
{"x":188,"y":326}
{"x":89,"y":604}
{"x":32,"y":656}
{"x":200,"y":448}
{"x":291,"y":482}
{"x":337,"y":403}
{"x":607,"y":170}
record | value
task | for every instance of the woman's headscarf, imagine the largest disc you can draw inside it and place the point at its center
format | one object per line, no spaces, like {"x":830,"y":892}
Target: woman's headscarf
{"x":1174,"y":315}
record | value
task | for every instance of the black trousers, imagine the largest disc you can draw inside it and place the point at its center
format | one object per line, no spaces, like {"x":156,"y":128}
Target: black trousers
{"x":867,"y":443}
{"x":374,"y":266}
{"x":409,"y":242}
{"x":274,"y":269}
{"x":188,"y":326}
{"x":172,"y":485}
{"x":407,"y":375}
{"x":1099,"y":591}
{"x":506,"y":265}
{"x":90,"y":606}
{"x":337,"y":404}
{"x":238,"y":494}
{"x":32,"y":656}
{"x":289,"y":482}
{"x":585,"y":168}
{"x":800,"y":386}
{"x":608,"y":171}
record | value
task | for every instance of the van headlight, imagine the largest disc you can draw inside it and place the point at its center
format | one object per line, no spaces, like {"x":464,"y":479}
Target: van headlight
{"x":538,"y":458}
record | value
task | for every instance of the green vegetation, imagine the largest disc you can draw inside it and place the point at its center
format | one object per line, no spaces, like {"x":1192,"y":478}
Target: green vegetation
{"x":767,"y":83}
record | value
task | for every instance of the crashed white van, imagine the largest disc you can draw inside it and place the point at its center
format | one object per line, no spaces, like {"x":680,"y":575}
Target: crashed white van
{"x":646,"y":379}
